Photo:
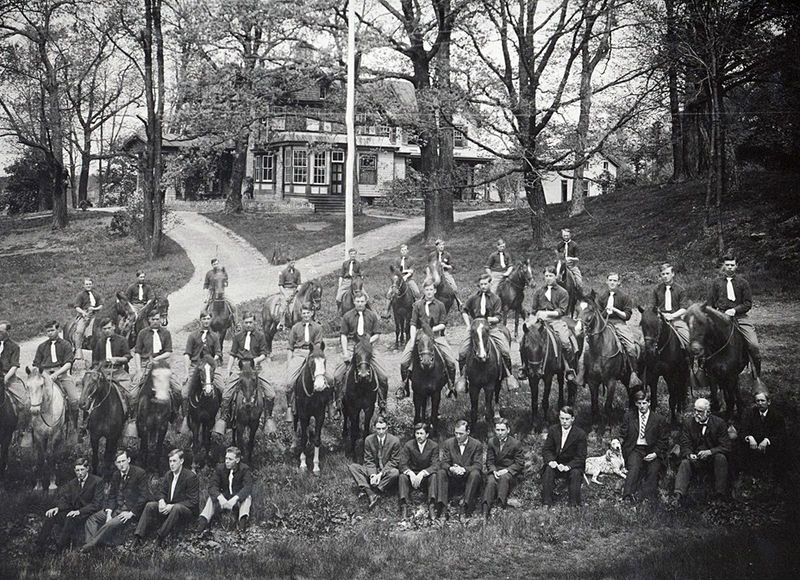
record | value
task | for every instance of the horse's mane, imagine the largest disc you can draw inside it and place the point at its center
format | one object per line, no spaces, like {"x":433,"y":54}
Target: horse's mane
{"x":363,"y":348}
{"x":196,"y":380}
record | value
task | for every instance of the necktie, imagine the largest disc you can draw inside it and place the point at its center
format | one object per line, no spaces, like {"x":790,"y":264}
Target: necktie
{"x":703,"y":429}
{"x":502,"y":260}
{"x":548,"y":293}
{"x":204,"y":336}
{"x":403,"y":263}
{"x":642,"y":425}
{"x":141,"y":292}
{"x":172,"y":488}
{"x":502,"y":443}
{"x":307,"y":333}
{"x":156,"y":342}
{"x":53,"y":355}
{"x":230,"y":482}
{"x":360,"y":326}
{"x":427,"y":309}
{"x":380,"y":453}
{"x":2,"y":346}
{"x":763,"y":414}
{"x":668,"y":298}
{"x":564,"y":435}
{"x":610,"y":303}
{"x":108,"y":349}
{"x":350,"y":270}
{"x":566,"y":250}
{"x":729,"y":288}
{"x":440,"y":256}
{"x":92,"y":301}
{"x":483,"y":304}
{"x":82,"y":482}
{"x":247,"y":341}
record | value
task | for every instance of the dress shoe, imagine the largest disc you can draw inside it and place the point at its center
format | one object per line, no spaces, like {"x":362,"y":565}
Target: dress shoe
{"x":432,"y":511}
{"x":403,"y":511}
{"x":373,"y":501}
{"x":244,"y":522}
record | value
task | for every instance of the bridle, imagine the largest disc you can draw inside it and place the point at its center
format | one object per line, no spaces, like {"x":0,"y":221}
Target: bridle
{"x":95,"y":404}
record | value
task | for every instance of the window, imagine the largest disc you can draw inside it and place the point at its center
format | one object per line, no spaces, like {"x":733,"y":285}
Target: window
{"x":564,"y":186}
{"x":460,"y":136}
{"x":264,"y":170}
{"x":320,"y":169}
{"x":368,"y":168}
{"x":605,"y":165}
{"x":337,"y":156}
{"x":299,"y":166}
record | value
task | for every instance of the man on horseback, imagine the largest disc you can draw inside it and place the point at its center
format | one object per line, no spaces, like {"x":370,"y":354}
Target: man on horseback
{"x":86,"y":304}
{"x":350,"y":268}
{"x":500,"y":265}
{"x":444,"y":258}
{"x":731,"y":294}
{"x":288,"y":282}
{"x":303,"y":337}
{"x":112,"y":354}
{"x":550,"y":303}
{"x":153,"y":344}
{"x":485,"y":304}
{"x":619,"y":307}
{"x":201,"y":343}
{"x":361,"y":324}
{"x":208,"y":283}
{"x":405,"y":266}
{"x":668,"y":299}
{"x":429,"y":312}
{"x":9,"y":364}
{"x":139,"y":293}
{"x":567,"y":257}
{"x":54,"y":358}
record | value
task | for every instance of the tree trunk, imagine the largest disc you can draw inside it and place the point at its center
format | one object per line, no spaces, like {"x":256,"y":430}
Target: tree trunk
{"x":447,"y":164}
{"x":86,"y":160}
{"x":578,"y":194}
{"x":158,"y":166}
{"x":678,"y":166}
{"x":233,"y":199}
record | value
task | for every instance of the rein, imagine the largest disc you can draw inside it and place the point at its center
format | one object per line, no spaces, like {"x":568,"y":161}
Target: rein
{"x":604,"y":327}
{"x":724,"y":346}
{"x":95,"y":404}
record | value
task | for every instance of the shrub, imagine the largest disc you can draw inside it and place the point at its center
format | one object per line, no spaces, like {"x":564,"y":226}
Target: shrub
{"x":21,"y":192}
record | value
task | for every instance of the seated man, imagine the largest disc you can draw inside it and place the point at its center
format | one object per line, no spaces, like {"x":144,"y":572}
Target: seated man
{"x":126,"y":500}
{"x":550,"y":304}
{"x":444,"y":258}
{"x":79,"y":499}
{"x":208,"y":282}
{"x":54,"y":358}
{"x":350,"y":268}
{"x":419,"y":464}
{"x":178,"y":501}
{"x":86,"y":305}
{"x":567,"y":256}
{"x":619,"y":308}
{"x":288,"y":281}
{"x":460,"y":469}
{"x":763,"y":433}
{"x":302,"y":337}
{"x":669,"y":299}
{"x":381,"y":462}
{"x":485,"y":304}
{"x":564,"y":455}
{"x":139,"y":293}
{"x":111,"y":353}
{"x":153,"y":345}
{"x":645,"y":443}
{"x":504,"y":464}
{"x":429,"y":312}
{"x":230,"y":490}
{"x":500,"y":265}
{"x":361,"y":324}
{"x":705,"y":445}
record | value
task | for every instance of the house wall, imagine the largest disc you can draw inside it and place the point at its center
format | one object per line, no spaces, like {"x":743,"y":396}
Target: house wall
{"x":555,"y":185}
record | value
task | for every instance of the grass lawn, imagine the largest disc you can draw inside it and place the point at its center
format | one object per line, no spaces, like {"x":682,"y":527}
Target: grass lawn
{"x":298,"y":234}
{"x":44,"y":268}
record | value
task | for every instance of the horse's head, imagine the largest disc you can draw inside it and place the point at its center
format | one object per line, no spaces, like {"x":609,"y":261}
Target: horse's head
{"x":40,"y":388}
{"x":218,"y":283}
{"x":314,"y":295}
{"x":533,"y":347}
{"x":524,"y":273}
{"x":651,"y":329}
{"x":91,"y":387}
{"x":699,"y":318}
{"x":425,"y":348}
{"x":159,"y":380}
{"x":479,"y":338}
{"x":126,"y":314}
{"x":590,"y":315}
{"x":202,"y":378}
{"x":399,"y":284}
{"x":248,"y":385}
{"x":435,"y":270}
{"x":162,"y":307}
{"x":317,"y":366}
{"x":362,"y":360}
{"x":357,"y":284}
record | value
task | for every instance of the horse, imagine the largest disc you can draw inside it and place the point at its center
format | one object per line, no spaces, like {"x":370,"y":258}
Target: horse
{"x":664,"y":356}
{"x":401,"y":299}
{"x":567,"y":281}
{"x":223,"y":317}
{"x":101,"y":400}
{"x":8,"y":423}
{"x":48,"y":419}
{"x":605,"y":362}
{"x":349,"y":298}
{"x":312,"y":392}
{"x":159,"y":304}
{"x":484,"y":370}
{"x":248,"y":404}
{"x":722,"y":352}
{"x":309,"y":292}
{"x":122,"y":315}
{"x":360,"y":394}
{"x":542,"y":359}
{"x":153,"y":413}
{"x":511,"y":291}
{"x":444,"y":292}
{"x":204,"y":402}
{"x":428,"y":376}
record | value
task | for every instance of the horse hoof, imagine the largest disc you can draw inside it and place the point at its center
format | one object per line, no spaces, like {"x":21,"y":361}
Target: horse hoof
{"x":315,"y":471}
{"x":303,"y":467}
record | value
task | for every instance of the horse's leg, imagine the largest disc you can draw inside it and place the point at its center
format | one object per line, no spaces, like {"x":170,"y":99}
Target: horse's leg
{"x":419,"y":405}
{"x":652,"y":382}
{"x":714,"y":392}
{"x":252,"y":443}
{"x":39,"y":452}
{"x":737,"y":396}
{"x":303,"y":441}
{"x":319,"y":422}
{"x":609,"y":405}
{"x":474,"y":397}
{"x":533,"y":383}
{"x":95,"y":442}
{"x":594,"y":389}
{"x":436,"y":399}
{"x":108,"y":455}
{"x":488,"y":393}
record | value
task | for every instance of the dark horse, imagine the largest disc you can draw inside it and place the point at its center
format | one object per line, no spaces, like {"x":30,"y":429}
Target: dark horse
{"x":248,"y":403}
{"x":204,"y":402}
{"x":101,"y":400}
{"x":121,"y":313}
{"x":511,"y":291}
{"x":349,"y":297}
{"x":155,"y":409}
{"x":484,"y":370}
{"x":428,"y":376}
{"x":8,"y":422}
{"x":722,"y":352}
{"x":401,"y":300}
{"x":312,"y":392}
{"x":574,"y":290}
{"x":604,"y":358}
{"x":159,"y":304}
{"x":223,"y":316}
{"x":444,"y":292}
{"x":360,"y":394}
{"x":541,"y":356}
{"x":309,"y":292}
{"x":664,"y":356}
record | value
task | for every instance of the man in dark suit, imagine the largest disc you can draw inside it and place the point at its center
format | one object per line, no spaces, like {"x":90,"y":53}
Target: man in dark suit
{"x":126,"y":500}
{"x":460,"y":468}
{"x":178,"y":500}
{"x":419,"y":464}
{"x":79,"y":499}
{"x":764,"y":436}
{"x":645,"y":442}
{"x":504,"y":464}
{"x":231,"y":489}
{"x":564,"y":457}
{"x":705,"y":445}
{"x":381,"y":461}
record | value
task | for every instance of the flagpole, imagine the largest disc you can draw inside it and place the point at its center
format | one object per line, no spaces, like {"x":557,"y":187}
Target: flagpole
{"x":350,"y":168}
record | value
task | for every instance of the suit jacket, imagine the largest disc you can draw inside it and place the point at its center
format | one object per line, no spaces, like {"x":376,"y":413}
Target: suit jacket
{"x":573,"y":453}
{"x":381,"y":460}
{"x":130,"y":495}
{"x":470,"y":459}
{"x":772,"y":427}
{"x":510,"y":457}
{"x":718,"y":295}
{"x":242,"y":482}
{"x":716,"y":438}
{"x":559,"y":299}
{"x":87,"y":500}
{"x":132,"y":293}
{"x":187,"y":490}
{"x":656,"y":432}
{"x":622,"y":302}
{"x":119,"y":347}
{"x":411,"y":458}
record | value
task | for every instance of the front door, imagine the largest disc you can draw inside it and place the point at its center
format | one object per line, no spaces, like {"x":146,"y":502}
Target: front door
{"x":337,"y":178}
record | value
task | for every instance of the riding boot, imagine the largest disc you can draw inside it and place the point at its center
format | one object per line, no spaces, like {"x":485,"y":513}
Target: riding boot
{"x":510,"y":379}
{"x":402,"y":392}
{"x":185,"y":414}
{"x":451,"y":376}
{"x":383,"y":387}
{"x":461,"y":382}
{"x":569,"y":365}
{"x":634,"y":381}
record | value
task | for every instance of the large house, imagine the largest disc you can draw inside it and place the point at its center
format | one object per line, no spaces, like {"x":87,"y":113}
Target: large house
{"x":599,"y":174}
